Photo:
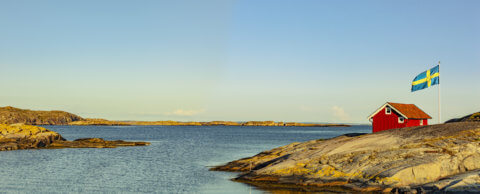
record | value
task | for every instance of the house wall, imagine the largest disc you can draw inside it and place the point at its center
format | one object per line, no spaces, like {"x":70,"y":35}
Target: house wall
{"x":382,"y":121}
{"x":416,"y":122}
{"x":413,"y":122}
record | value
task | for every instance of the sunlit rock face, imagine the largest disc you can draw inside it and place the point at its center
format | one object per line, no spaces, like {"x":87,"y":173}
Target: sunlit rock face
{"x":11,"y":115}
{"x":20,"y":136}
{"x":397,"y":158}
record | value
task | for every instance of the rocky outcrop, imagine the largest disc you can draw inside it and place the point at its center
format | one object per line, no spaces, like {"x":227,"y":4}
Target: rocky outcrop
{"x":94,"y":143}
{"x":98,"y":122}
{"x":221,"y":123}
{"x":11,"y":115}
{"x":260,"y":123}
{"x":407,"y":158}
{"x":475,"y":117}
{"x":20,"y":136}
{"x":468,"y":182}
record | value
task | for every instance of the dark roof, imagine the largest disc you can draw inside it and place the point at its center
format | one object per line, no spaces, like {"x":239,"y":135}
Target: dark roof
{"x":411,"y":111}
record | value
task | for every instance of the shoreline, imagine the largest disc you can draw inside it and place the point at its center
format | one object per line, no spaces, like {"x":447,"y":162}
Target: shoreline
{"x":103,"y":122}
{"x":336,"y":187}
{"x":434,"y":158}
{"x":12,"y":115}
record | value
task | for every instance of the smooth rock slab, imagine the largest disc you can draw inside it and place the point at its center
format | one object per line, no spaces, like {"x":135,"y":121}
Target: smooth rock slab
{"x":399,"y":158}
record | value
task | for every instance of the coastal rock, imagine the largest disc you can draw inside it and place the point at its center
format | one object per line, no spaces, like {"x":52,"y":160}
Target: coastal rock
{"x":222,"y":123}
{"x":399,"y":158}
{"x":11,"y":115}
{"x":475,"y":117}
{"x":468,"y":182}
{"x":98,"y":122}
{"x":20,"y":136}
{"x":260,"y":123}
{"x":94,"y":143}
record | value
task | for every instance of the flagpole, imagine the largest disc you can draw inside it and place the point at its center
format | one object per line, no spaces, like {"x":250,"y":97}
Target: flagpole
{"x":439,"y":104}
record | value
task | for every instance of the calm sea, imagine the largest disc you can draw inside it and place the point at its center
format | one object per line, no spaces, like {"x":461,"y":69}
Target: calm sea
{"x":177,"y":160}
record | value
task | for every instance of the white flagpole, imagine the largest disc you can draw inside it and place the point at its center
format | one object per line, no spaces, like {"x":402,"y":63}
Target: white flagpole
{"x":439,"y":104}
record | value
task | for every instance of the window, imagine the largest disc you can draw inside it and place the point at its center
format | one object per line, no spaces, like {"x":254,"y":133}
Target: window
{"x":401,"y":119}
{"x":388,"y":110}
{"x":421,"y":122}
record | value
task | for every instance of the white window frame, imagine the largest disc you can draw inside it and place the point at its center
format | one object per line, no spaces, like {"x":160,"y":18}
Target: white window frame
{"x":401,"y":120}
{"x":421,"y":122}
{"x":388,"y":110}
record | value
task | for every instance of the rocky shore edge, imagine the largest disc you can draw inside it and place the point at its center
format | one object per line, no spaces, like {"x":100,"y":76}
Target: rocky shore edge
{"x":20,"y":136}
{"x":435,"y":158}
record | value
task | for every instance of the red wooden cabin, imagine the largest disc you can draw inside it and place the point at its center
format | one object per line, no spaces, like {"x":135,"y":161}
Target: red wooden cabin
{"x":396,"y":115}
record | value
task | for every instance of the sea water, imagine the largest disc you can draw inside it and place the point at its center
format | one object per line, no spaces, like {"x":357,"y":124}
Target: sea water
{"x":177,"y":161}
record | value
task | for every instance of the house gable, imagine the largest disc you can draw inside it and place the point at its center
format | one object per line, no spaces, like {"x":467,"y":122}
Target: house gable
{"x":383,"y":121}
{"x":411,"y":111}
{"x":382,"y":108}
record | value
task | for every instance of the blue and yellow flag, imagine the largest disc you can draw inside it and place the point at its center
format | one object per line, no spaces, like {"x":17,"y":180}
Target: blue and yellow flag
{"x":426,"y":79}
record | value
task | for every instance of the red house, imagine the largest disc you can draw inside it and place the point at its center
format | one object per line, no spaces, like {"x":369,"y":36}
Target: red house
{"x":395,"y":115}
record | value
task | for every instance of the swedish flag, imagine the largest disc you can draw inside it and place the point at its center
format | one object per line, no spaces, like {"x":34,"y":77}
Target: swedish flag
{"x":426,"y":79}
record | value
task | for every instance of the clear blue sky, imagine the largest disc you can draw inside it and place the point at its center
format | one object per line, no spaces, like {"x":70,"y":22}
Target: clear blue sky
{"x":315,"y":61}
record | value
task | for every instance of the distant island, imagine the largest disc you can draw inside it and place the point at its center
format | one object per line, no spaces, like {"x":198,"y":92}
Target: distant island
{"x":12,"y":115}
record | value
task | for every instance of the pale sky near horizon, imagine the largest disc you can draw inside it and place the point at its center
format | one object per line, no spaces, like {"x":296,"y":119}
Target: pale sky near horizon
{"x":306,"y":61}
